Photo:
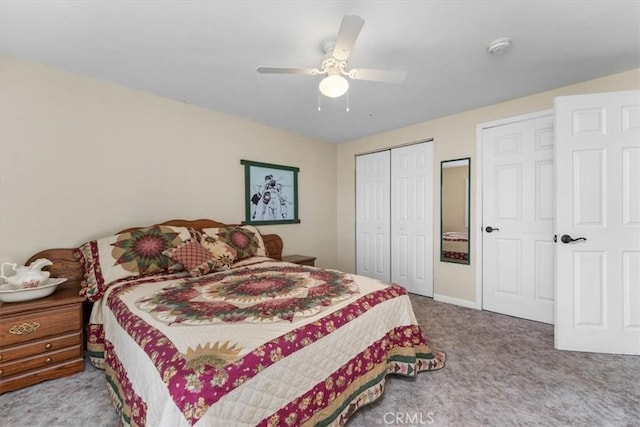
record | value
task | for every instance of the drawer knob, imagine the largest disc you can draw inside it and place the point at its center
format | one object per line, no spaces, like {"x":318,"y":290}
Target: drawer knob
{"x":1,"y":371}
{"x":24,"y":329}
{"x":47,"y":360}
{"x":47,"y":345}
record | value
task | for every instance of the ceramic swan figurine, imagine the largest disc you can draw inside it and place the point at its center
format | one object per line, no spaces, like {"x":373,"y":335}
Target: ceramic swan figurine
{"x":27,"y":277}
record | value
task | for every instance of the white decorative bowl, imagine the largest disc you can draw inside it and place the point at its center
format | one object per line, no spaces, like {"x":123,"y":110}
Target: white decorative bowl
{"x":14,"y":293}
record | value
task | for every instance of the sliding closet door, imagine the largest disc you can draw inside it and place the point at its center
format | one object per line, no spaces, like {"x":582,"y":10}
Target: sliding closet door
{"x":412,"y":218}
{"x":373,"y":215}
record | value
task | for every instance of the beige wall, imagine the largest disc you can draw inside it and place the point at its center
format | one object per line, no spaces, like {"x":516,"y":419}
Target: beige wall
{"x":81,"y":158}
{"x":454,"y":137}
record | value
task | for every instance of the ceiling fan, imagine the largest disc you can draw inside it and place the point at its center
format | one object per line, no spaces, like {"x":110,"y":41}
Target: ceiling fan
{"x":334,"y":63}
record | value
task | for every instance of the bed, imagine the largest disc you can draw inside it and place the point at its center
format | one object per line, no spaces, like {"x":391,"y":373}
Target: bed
{"x":455,"y":246}
{"x":243,"y":339}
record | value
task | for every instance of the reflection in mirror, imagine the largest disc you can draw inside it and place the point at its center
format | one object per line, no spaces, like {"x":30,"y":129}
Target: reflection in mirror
{"x":454,"y":210}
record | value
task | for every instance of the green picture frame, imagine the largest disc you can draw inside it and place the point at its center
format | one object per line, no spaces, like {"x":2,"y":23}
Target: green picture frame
{"x":270,"y":193}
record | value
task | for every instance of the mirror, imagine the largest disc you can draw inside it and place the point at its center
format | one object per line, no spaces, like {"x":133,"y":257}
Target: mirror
{"x":454,"y":210}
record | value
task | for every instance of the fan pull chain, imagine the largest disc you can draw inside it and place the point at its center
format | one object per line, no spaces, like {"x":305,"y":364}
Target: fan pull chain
{"x":319,"y":101}
{"x":347,"y":101}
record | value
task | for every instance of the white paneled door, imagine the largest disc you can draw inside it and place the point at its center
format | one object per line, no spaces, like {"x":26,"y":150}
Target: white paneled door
{"x":394,"y":216}
{"x":373,"y":215}
{"x":518,"y":251}
{"x":412,"y":218}
{"x":598,"y":222}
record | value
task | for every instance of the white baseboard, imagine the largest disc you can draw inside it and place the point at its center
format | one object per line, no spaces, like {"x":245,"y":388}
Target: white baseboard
{"x":454,"y":301}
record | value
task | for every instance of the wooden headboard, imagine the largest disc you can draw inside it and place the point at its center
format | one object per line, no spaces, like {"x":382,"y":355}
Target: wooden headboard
{"x":66,"y":265}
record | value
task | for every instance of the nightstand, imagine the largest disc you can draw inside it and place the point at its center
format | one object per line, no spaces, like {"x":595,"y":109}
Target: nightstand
{"x":41,"y":339}
{"x":300,"y":259}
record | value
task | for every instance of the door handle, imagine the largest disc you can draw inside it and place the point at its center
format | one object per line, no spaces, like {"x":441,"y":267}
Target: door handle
{"x":568,"y":239}
{"x":490,"y":229}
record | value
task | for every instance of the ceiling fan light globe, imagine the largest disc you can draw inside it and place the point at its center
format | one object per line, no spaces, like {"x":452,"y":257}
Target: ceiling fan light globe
{"x":334,"y":86}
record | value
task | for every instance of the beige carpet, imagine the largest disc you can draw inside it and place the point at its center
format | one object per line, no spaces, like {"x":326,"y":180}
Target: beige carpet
{"x":501,"y":371}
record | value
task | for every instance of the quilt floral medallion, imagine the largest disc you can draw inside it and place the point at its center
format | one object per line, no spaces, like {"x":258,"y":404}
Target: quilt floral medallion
{"x":199,"y":378}
{"x":250,"y":295}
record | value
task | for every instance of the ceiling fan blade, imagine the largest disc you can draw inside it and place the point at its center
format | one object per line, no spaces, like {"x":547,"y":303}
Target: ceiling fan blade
{"x":387,"y":76}
{"x":347,"y":35}
{"x":283,"y":70}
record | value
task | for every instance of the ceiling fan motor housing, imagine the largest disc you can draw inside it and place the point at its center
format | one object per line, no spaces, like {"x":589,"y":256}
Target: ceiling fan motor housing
{"x":499,"y":46}
{"x":330,"y":64}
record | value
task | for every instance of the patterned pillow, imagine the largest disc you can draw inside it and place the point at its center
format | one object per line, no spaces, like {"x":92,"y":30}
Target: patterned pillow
{"x":245,"y":239}
{"x":135,"y":253}
{"x":190,"y":254}
{"x":199,"y":259}
{"x":224,"y":254}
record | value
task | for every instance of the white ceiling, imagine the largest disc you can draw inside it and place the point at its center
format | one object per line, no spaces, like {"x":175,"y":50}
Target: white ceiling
{"x":206,"y":53}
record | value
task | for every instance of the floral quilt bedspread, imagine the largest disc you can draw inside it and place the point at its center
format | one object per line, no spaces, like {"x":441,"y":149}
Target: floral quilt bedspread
{"x":266,"y":343}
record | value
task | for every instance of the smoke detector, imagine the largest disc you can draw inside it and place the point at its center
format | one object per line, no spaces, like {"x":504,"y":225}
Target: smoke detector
{"x":499,"y":46}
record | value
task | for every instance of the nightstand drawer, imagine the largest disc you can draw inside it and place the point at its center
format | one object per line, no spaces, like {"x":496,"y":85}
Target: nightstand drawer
{"x":47,"y":373}
{"x":42,"y":346}
{"x":40,"y":361}
{"x":27,"y":327}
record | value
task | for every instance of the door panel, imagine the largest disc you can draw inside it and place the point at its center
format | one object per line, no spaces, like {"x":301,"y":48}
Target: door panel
{"x":518,"y":200}
{"x":630,"y":187}
{"x":544,"y":202}
{"x":545,"y":260}
{"x":373,"y":215}
{"x":412,"y":217}
{"x":589,"y":288}
{"x":401,"y":266}
{"x":508,"y":194}
{"x":588,"y":188}
{"x":598,"y":198}
{"x":631,"y":289}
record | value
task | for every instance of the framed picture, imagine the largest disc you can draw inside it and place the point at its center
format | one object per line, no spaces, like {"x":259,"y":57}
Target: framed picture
{"x":270,"y":193}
